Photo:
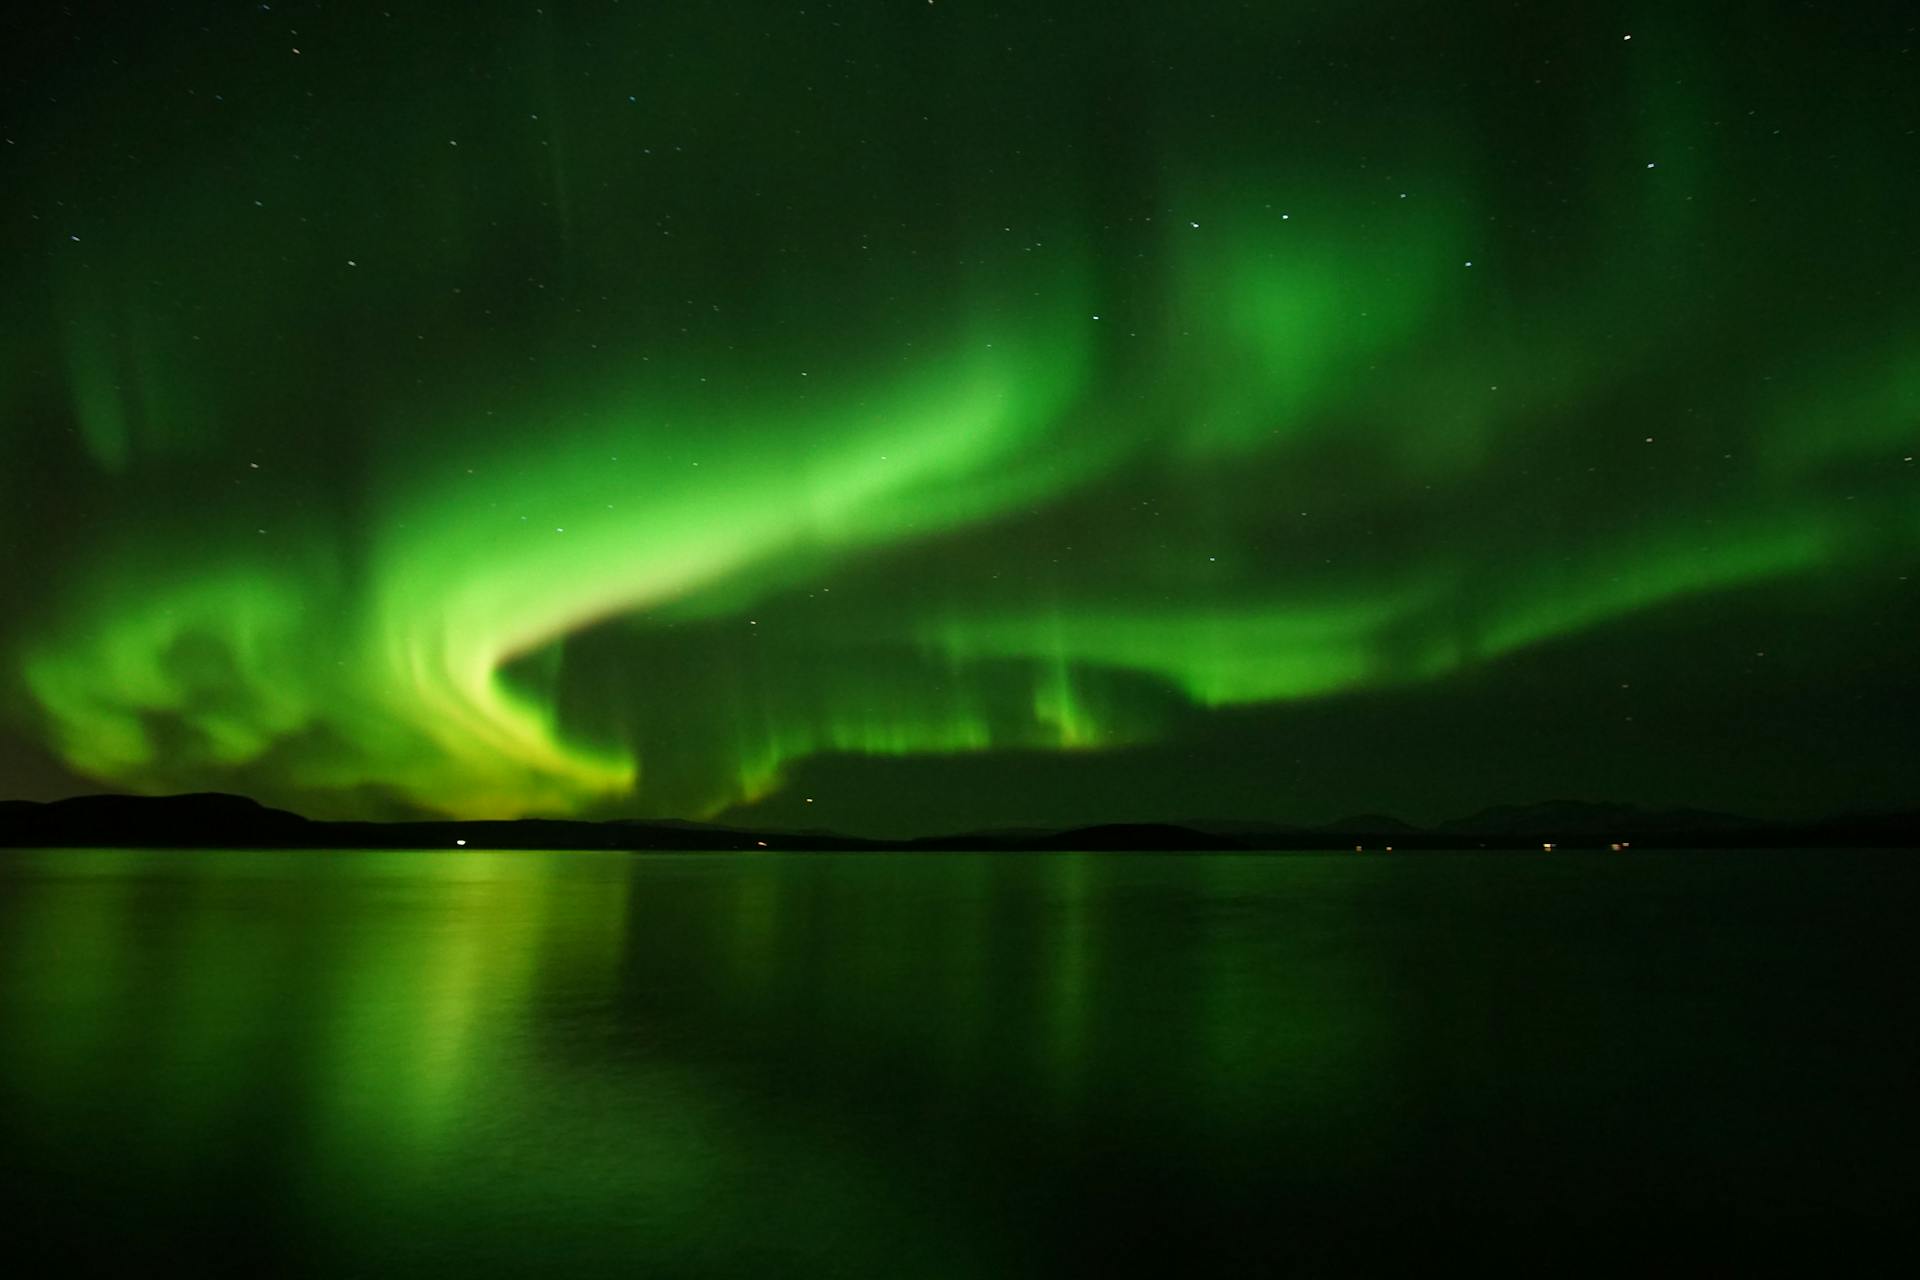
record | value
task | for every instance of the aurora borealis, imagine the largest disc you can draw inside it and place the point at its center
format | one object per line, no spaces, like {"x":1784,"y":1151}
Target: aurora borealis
{"x":906,"y":416}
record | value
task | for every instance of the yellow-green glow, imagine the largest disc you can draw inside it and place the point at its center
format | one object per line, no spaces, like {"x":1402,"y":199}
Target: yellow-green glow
{"x":614,"y":443}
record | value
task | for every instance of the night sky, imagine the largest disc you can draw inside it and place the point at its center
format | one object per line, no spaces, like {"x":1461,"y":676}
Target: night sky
{"x":904,"y":417}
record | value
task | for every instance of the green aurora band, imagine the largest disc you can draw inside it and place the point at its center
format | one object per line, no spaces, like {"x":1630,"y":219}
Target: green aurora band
{"x":588,"y":411}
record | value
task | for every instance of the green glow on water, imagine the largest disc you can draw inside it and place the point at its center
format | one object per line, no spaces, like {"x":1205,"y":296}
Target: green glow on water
{"x":380,"y":1063}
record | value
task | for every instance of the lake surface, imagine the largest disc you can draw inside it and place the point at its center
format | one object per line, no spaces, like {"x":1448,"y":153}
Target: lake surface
{"x":966,"y":1065}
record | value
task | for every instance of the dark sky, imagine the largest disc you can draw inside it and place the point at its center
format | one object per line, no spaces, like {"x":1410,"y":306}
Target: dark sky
{"x":899,"y":416}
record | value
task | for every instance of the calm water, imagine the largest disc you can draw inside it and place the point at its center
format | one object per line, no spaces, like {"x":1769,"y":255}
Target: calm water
{"x":719,"y":1065}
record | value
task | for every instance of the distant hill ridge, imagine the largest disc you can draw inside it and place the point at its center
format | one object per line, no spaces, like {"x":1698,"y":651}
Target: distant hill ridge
{"x":217,"y":820}
{"x":1581,"y":817}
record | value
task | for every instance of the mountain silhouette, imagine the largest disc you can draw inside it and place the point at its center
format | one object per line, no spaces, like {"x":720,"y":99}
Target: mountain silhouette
{"x":215,"y":820}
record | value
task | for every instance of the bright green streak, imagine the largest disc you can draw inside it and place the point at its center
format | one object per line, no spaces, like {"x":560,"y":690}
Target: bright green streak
{"x":591,"y":450}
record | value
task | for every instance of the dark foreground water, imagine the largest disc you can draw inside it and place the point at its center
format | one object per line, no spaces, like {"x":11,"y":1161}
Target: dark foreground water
{"x":1005,"y":1065}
